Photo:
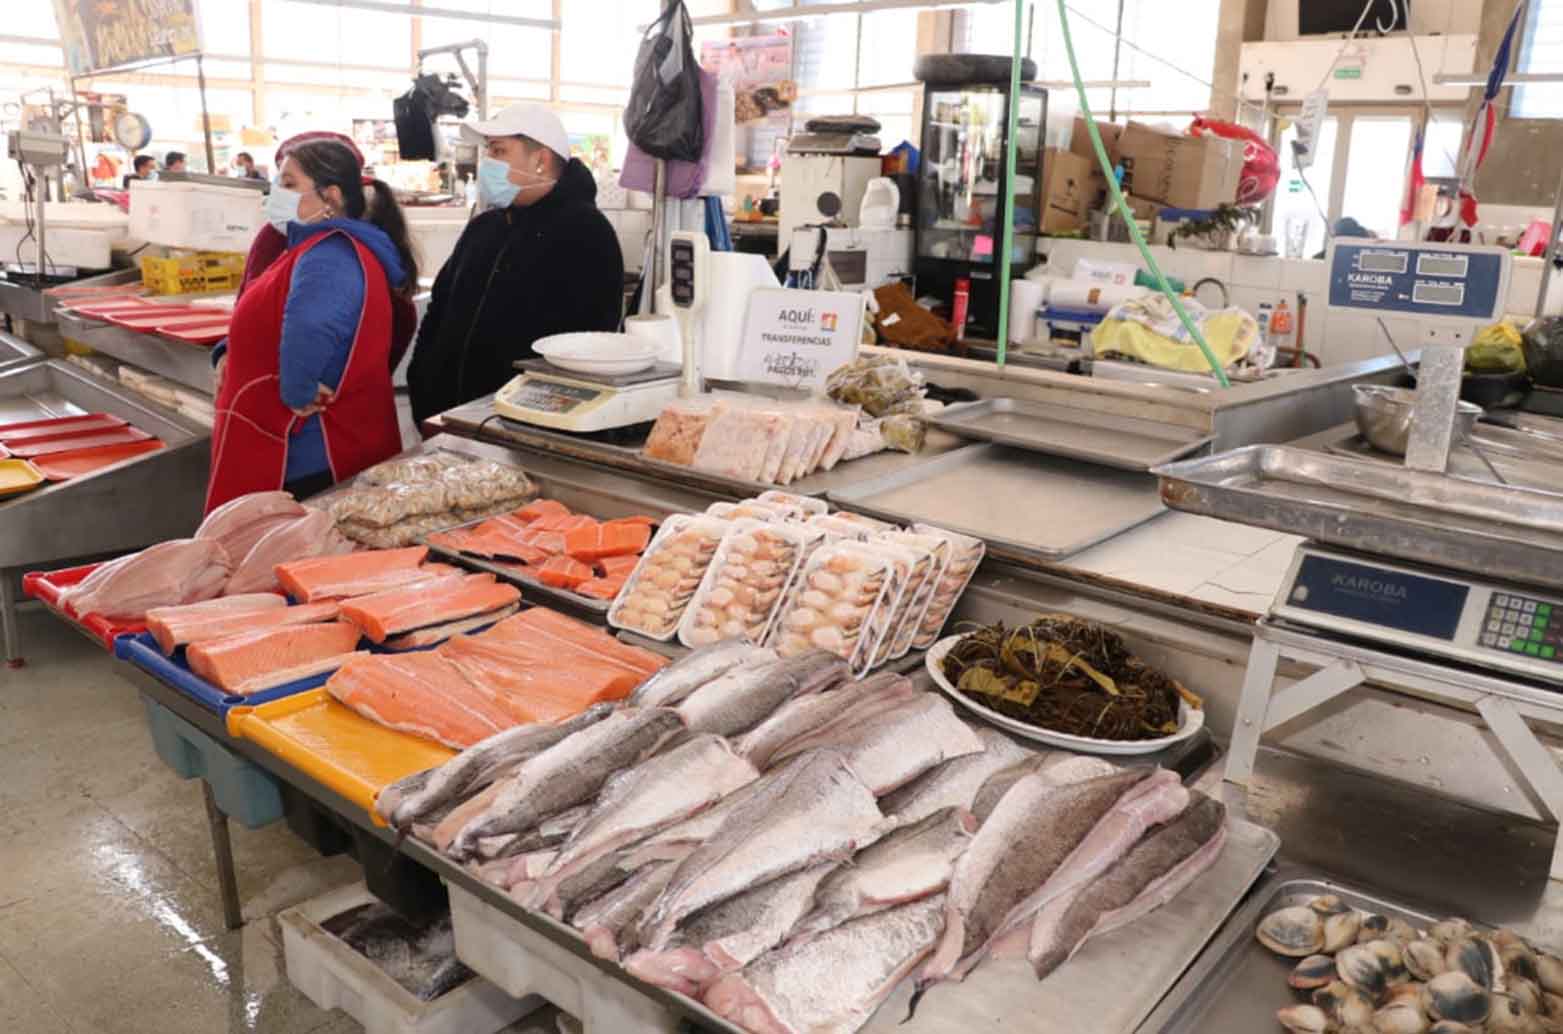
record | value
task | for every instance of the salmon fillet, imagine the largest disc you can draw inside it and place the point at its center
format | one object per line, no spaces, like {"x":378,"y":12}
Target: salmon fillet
{"x":384,"y":614}
{"x":563,"y":572}
{"x":537,"y":509}
{"x":158,"y":618}
{"x":173,"y":630}
{"x":560,"y":685}
{"x":313,"y":535}
{"x":255,"y":661}
{"x":605,"y":540}
{"x":602,"y":588}
{"x":436,"y":634}
{"x":562,"y":522}
{"x":553,"y":630}
{"x":418,"y":693}
{"x":618,"y":566}
{"x":352,"y":574}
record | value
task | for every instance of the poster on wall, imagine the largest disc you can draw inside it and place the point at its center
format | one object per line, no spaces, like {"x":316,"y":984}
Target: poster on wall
{"x":99,"y":35}
{"x":760,"y":69}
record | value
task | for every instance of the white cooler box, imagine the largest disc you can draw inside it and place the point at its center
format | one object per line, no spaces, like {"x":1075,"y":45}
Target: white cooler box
{"x":198,"y":216}
{"x":75,"y":233}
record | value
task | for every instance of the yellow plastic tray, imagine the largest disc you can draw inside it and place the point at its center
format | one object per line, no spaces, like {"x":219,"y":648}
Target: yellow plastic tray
{"x":335,"y":745}
{"x":18,"y":476}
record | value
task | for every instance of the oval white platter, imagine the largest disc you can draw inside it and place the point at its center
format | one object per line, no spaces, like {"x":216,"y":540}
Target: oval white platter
{"x":1191,"y":720}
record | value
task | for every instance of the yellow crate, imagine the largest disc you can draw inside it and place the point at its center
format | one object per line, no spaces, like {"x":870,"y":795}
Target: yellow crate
{"x":195,"y":272}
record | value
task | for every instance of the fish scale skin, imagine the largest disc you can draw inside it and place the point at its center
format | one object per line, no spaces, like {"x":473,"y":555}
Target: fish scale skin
{"x":956,"y":782}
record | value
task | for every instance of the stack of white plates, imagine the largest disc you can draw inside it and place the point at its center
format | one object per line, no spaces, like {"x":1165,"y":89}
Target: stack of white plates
{"x":605,"y":354}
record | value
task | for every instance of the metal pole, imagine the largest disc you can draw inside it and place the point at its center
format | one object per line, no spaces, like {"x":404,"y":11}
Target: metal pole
{"x":40,"y":194}
{"x":1552,"y":248}
{"x":206,"y":119}
{"x":222,"y":849}
{"x":81,"y":133}
{"x":1007,"y":233}
{"x":655,"y":273}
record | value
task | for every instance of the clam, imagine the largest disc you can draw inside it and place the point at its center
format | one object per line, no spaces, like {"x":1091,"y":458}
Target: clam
{"x":1549,"y":970}
{"x":1402,"y":931}
{"x":1313,"y":971}
{"x":1372,"y":967}
{"x":1509,"y":1018}
{"x":1371,"y":927}
{"x":1526,"y":992}
{"x":1408,"y":992}
{"x":1328,"y":905}
{"x":1424,"y":958}
{"x":1517,"y":957}
{"x":1450,"y":930}
{"x":1345,"y":1004}
{"x":1450,"y":1027}
{"x":1551,"y":1004}
{"x":1477,"y":959}
{"x":1303,"y":1019}
{"x":1294,"y":932}
{"x":1455,"y":996}
{"x":1340,"y":930}
{"x":1400,"y":1018}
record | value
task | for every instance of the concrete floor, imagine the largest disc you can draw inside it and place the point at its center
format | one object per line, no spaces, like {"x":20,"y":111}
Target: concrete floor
{"x":109,"y":916}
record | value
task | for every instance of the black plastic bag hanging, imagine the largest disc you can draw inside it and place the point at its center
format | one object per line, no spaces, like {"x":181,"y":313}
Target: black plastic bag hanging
{"x":665,"y":117}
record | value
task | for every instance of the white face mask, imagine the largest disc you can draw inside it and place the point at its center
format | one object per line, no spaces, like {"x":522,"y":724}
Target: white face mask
{"x":282,"y":208}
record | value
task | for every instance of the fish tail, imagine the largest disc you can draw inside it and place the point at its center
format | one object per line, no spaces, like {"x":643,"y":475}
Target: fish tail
{"x":918,"y":991}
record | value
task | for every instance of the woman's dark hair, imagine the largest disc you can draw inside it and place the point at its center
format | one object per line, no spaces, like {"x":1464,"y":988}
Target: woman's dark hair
{"x":329,"y":164}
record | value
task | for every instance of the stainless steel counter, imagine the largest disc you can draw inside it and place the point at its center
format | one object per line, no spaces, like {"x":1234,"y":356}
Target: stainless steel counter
{"x":24,"y":302}
{"x":189,"y":365}
{"x":15,"y":352}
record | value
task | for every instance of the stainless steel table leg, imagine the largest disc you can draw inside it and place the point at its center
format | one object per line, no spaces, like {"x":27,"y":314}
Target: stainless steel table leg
{"x":222,"y":849}
{"x":13,"y":648}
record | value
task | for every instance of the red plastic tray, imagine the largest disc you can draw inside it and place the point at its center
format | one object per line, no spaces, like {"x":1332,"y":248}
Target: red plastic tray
{"x":46,"y":586}
{"x":7,"y":430}
{"x":62,"y":466}
{"x":97,"y":439}
{"x":69,"y":428}
{"x":199,"y":334}
{"x":151,"y":323}
{"x":131,"y":307}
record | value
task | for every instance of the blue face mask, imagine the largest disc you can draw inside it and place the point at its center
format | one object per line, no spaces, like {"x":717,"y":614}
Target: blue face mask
{"x":494,"y":187}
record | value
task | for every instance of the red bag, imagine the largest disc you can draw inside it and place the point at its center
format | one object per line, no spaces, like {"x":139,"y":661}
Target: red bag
{"x":1261,"y":166}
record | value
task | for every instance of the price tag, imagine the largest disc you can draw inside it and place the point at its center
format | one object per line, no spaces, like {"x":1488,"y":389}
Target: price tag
{"x":796,"y":338}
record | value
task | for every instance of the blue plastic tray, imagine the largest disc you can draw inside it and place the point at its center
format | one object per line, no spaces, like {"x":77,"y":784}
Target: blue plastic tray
{"x":243,"y":790}
{"x":142,"y":651}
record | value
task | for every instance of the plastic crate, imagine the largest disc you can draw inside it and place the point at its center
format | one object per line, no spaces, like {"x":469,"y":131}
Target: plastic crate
{"x":524,"y":963}
{"x":242,"y":790}
{"x":196,"y":272}
{"x":334,"y":976}
{"x":46,"y":587}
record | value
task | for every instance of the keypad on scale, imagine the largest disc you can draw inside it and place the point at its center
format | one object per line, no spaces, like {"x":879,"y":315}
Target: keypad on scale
{"x":1518,"y":625}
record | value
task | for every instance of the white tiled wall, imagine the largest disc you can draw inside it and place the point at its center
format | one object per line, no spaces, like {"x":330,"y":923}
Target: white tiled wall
{"x":632,"y":227}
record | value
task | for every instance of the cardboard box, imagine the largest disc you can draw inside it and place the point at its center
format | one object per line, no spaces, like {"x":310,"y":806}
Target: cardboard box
{"x":1080,"y":144}
{"x":1064,"y":193}
{"x":1180,"y":171}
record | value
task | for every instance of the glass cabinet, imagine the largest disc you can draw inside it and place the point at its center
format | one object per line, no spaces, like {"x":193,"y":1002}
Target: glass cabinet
{"x":960,"y":187}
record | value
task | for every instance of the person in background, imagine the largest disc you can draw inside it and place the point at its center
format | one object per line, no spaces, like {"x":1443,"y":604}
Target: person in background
{"x":244,"y":164}
{"x":543,"y":260}
{"x":144,"y":167}
{"x":304,"y":396}
{"x":174,"y":161}
{"x":269,"y":244}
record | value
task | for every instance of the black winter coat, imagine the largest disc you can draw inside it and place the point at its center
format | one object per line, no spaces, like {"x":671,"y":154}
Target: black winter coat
{"x":515,"y":276}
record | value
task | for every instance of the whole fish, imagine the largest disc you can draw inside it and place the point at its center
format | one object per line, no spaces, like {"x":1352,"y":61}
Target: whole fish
{"x":1166,"y":860}
{"x":411,"y":799}
{"x":1030,"y":833}
{"x":592,"y":881}
{"x":1061,"y":769}
{"x":832,"y":983}
{"x":656,"y":793}
{"x":733,"y":704}
{"x":551,"y":833}
{"x":570,"y":772}
{"x":905,"y":864}
{"x":687,"y":674}
{"x":896,"y":746}
{"x":955,"y":783}
{"x":680,"y":839}
{"x":814,"y":811}
{"x":730,"y":934}
{"x":608,"y":921}
{"x":803,"y":715}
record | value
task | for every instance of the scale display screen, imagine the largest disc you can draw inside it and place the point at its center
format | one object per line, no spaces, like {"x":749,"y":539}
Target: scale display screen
{"x":551,"y":396}
{"x":1438,"y":294}
{"x":1382,"y":261}
{"x":1387,"y":598}
{"x":1519,"y":624}
{"x":1442,"y":265}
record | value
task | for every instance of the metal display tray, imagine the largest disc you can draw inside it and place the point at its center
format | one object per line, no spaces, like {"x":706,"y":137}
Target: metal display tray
{"x":1027,"y":506}
{"x":1519,"y":471}
{"x":1430,"y":519}
{"x":1130,"y":443}
{"x":1238,"y":983}
{"x":15,"y":352}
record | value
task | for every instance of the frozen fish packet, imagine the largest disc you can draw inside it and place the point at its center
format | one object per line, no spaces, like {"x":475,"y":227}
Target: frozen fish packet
{"x":937,"y":552}
{"x":808,"y":505}
{"x":898,"y":599}
{"x":966,"y":555}
{"x":842,"y":591}
{"x":744,"y":585}
{"x":659,"y":589}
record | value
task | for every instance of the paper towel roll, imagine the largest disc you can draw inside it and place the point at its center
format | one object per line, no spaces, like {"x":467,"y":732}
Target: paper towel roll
{"x":1025,"y":297}
{"x":660,"y":329}
{"x":1082,"y":295}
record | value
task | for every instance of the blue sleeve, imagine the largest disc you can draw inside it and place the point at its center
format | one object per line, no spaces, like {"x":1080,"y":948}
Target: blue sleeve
{"x":320,"y":319}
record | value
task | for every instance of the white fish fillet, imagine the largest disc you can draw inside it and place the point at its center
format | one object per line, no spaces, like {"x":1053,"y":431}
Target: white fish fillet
{"x":955,"y":783}
{"x":898,"y":745}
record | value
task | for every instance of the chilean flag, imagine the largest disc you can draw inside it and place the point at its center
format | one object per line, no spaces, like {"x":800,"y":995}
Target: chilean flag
{"x":1416,"y":179}
{"x":1479,"y":139}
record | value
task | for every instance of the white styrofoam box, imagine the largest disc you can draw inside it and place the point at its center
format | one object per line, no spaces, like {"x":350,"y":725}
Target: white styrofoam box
{"x":1253,"y":271}
{"x":334,"y":976}
{"x":199,"y":216}
{"x":85,"y":249}
{"x":611,"y":196}
{"x":71,"y":215}
{"x":524,"y":962}
{"x":434,"y":233}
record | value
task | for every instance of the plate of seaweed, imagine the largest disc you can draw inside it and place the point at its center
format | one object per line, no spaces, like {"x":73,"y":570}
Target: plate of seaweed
{"x":1068,"y":683}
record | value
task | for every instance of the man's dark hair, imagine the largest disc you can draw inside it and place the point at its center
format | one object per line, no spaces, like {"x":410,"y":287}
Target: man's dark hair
{"x":173,"y":158}
{"x":141,"y":162}
{"x":245,"y":156}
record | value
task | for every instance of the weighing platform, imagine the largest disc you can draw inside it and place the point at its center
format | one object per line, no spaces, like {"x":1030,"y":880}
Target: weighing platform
{"x":583,"y":403}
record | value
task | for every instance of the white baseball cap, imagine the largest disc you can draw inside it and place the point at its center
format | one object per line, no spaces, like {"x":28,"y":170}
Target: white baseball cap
{"x":529,"y":120}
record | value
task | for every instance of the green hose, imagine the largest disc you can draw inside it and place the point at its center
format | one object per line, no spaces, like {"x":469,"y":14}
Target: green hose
{"x":1007,"y":235}
{"x":1123,"y":206}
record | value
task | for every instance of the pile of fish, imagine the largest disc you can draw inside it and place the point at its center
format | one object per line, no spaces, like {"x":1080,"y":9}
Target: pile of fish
{"x":1363,"y":971}
{"x":787,"y":844}
{"x":418,"y":955}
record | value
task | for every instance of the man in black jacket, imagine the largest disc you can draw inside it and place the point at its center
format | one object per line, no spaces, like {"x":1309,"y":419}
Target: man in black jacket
{"x":543,"y":260}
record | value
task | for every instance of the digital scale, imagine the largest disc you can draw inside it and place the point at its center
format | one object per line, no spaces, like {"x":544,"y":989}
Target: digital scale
{"x":547,"y":396}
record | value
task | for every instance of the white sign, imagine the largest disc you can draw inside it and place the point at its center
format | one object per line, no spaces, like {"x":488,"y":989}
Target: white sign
{"x":1309,"y":123}
{"x":797,"y":338}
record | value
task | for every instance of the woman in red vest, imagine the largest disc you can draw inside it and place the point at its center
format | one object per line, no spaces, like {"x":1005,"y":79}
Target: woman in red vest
{"x":304,"y":395}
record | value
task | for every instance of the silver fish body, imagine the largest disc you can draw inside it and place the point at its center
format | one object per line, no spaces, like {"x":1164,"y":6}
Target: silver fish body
{"x":608,"y":921}
{"x":814,"y":811}
{"x":896,"y":746}
{"x":955,"y":783}
{"x":742,"y":699}
{"x":804,"y":715}
{"x":687,"y":674}
{"x":570,"y":772}
{"x":908,"y":863}
{"x":1165,"y":861}
{"x":832,"y":983}
{"x":1060,"y":768}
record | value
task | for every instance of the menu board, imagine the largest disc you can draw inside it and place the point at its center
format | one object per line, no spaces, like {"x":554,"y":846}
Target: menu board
{"x":99,"y":35}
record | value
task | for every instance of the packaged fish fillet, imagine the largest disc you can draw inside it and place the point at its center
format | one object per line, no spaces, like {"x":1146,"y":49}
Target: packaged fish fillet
{"x":736,"y":443}
{"x":776,"y":452}
{"x":809,"y":505}
{"x":843,"y":427}
{"x":658,"y":591}
{"x":825,"y":433}
{"x":799,"y":445}
{"x":833,"y":525}
{"x":752,"y":509}
{"x":938,"y":552}
{"x":680,"y":427}
{"x":843,"y":589}
{"x":871,"y":523}
{"x":965,"y":555}
{"x":744,"y":584}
